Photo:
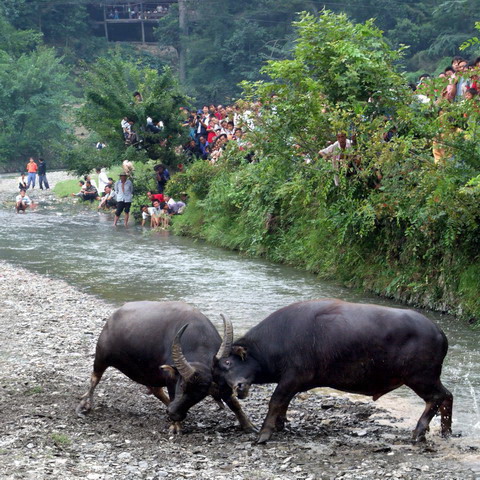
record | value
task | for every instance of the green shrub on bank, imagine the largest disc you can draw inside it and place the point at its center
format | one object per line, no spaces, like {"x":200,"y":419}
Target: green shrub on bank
{"x":65,"y":188}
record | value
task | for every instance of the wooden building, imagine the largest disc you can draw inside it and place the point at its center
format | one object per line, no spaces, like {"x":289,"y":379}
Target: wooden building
{"x":121,"y":20}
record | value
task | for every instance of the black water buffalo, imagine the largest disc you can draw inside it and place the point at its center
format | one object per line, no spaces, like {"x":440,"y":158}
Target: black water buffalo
{"x":150,"y":343}
{"x":365,"y":349}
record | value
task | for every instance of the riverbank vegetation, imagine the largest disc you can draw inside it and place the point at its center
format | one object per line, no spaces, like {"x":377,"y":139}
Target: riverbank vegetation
{"x":398,"y":223}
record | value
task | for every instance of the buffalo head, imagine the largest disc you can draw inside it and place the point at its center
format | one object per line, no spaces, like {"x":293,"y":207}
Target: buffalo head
{"x":193,"y":379}
{"x":237,"y":370}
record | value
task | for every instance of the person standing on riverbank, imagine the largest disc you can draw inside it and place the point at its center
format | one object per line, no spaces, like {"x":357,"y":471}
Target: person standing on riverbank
{"x":124,"y":191}
{"x":42,"y":174}
{"x":32,"y":168}
{"x":162,"y":177}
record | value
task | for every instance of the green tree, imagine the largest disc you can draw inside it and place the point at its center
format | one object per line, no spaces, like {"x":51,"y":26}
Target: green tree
{"x":34,"y":92}
{"x":109,"y":85}
{"x":65,"y":25}
{"x":231,"y":46}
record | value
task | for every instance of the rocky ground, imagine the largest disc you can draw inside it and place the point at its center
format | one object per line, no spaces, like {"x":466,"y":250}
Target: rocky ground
{"x":48,"y":332}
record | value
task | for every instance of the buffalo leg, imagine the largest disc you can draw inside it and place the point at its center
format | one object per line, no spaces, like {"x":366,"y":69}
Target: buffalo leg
{"x":171,"y":392}
{"x":281,"y":419}
{"x":446,"y":415}
{"x":160,"y":394}
{"x":175,"y":427}
{"x":277,"y":409}
{"x":242,"y":418}
{"x":86,"y":402}
{"x":436,"y":397}
{"x":215,"y":393}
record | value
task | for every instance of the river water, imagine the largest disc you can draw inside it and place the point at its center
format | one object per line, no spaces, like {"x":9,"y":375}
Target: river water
{"x":119,"y":265}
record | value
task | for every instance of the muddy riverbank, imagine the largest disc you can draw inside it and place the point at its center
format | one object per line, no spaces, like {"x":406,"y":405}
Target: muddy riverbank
{"x":49,"y":330}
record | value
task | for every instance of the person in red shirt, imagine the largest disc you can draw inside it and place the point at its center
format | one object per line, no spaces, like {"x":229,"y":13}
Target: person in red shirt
{"x":155,"y":196}
{"x":32,"y":168}
{"x":211,"y":133}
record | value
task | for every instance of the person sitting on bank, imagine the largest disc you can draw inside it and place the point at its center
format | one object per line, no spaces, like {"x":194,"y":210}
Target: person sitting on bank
{"x":174,"y":207}
{"x":155,"y":214}
{"x":22,"y":182}
{"x":90,"y":193}
{"x":22,"y":202}
{"x":155,"y":196}
{"x":109,"y":199}
{"x":87,"y":191}
{"x":88,"y":178}
{"x":81,"y":184}
{"x":145,"y":214}
{"x":165,"y":217}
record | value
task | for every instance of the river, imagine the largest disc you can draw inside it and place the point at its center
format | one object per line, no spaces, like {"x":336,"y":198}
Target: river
{"x":117,"y":264}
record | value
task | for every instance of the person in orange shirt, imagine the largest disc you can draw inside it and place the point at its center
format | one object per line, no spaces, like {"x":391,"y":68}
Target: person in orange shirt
{"x":32,"y":168}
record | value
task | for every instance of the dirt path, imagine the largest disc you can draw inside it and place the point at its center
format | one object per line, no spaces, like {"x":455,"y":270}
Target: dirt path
{"x":49,"y":330}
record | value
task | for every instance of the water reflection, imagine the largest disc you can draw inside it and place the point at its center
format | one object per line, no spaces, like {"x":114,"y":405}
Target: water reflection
{"x":121,"y":265}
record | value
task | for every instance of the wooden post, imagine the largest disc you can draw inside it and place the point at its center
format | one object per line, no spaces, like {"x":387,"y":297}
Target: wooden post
{"x":105,"y":25}
{"x":142,"y":22}
{"x":182,"y":53}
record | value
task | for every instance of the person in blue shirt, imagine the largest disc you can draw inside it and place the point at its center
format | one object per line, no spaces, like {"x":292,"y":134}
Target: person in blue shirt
{"x":162,"y":176}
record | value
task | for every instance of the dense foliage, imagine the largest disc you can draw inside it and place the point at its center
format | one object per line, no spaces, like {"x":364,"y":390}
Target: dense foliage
{"x":34,"y":91}
{"x":398,"y":223}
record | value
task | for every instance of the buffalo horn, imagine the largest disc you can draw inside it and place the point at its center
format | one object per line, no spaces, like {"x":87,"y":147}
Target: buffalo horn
{"x":226,"y":346}
{"x":179,"y":360}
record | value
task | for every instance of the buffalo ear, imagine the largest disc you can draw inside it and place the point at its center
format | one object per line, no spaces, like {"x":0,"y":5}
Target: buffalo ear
{"x":169,"y":370}
{"x":239,"y":351}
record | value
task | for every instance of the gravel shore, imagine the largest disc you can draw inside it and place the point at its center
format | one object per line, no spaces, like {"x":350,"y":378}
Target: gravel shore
{"x":49,"y":331}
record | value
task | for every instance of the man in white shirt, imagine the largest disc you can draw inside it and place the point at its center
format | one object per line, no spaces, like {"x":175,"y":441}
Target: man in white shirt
{"x":124,"y":191}
{"x":102,"y":180}
{"x":336,"y":152}
{"x":155,"y":213}
{"x":22,"y":202}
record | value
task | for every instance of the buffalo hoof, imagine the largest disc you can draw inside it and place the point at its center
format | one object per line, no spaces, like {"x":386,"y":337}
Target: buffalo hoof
{"x":250,"y":429}
{"x":83,"y":408}
{"x":175,"y":428}
{"x":418,"y":437}
{"x":280,"y":424}
{"x":264,"y":437}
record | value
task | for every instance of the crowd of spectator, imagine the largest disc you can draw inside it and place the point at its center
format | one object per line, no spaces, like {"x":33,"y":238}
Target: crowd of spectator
{"x":463,"y":82}
{"x":462,"y":85}
{"x":137,"y":11}
{"x":212,"y":127}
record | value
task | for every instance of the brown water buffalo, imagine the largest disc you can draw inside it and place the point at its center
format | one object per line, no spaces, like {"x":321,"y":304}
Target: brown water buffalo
{"x":164,"y":344}
{"x":357,"y":348}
